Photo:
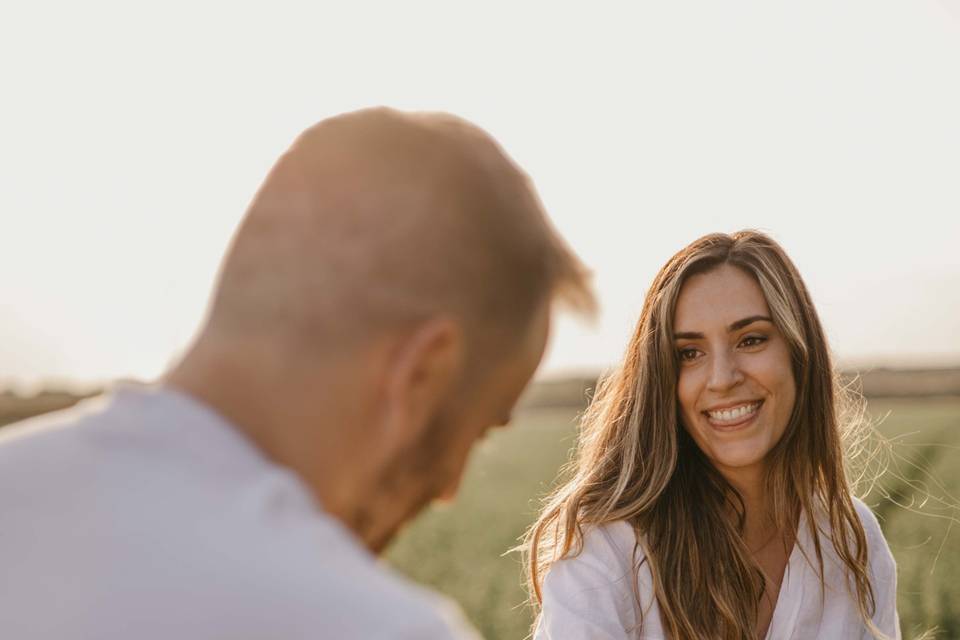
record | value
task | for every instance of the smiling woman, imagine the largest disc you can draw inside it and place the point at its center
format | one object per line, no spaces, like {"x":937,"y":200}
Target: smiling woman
{"x":736,"y":388}
{"x":709,"y":496}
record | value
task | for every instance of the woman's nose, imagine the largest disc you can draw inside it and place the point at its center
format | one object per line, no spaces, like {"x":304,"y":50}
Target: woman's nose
{"x":724,"y":373}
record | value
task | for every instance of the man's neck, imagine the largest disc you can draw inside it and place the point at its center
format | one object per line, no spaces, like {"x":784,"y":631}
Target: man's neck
{"x":299,"y":433}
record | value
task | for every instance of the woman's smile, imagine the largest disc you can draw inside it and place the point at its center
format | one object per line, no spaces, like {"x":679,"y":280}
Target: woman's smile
{"x":733,"y":416}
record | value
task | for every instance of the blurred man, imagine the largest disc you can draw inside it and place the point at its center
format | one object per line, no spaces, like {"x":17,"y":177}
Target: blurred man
{"x":384,"y":302}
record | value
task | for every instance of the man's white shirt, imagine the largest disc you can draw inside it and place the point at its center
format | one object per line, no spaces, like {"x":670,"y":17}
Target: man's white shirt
{"x":144,"y":514}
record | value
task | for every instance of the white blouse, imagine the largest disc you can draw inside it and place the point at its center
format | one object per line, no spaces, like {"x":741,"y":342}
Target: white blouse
{"x":590,"y":596}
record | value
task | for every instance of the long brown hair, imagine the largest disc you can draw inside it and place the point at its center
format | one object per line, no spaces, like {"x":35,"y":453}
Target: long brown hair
{"x":635,"y":461}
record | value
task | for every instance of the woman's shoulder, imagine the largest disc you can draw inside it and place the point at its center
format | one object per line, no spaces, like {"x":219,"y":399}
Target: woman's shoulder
{"x":609,"y":550}
{"x":608,"y":557}
{"x":881,"y":559}
{"x":882,"y":571}
{"x":871,"y":526}
{"x":597,"y":590}
{"x":869,"y":522}
{"x":611,"y":544}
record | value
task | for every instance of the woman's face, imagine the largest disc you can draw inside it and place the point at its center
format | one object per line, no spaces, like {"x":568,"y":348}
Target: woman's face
{"x":736,"y":388}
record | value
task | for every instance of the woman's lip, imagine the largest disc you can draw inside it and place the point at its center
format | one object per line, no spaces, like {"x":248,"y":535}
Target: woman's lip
{"x":727,"y":426}
{"x":732,"y":405}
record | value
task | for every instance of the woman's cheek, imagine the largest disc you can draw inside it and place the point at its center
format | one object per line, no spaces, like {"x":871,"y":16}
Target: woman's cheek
{"x":687,"y":394}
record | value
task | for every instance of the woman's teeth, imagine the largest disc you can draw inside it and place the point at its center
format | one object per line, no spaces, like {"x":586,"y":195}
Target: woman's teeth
{"x":736,"y":413}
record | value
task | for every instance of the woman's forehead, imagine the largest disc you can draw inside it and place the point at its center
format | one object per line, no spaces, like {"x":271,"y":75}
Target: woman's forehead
{"x":720,"y":296}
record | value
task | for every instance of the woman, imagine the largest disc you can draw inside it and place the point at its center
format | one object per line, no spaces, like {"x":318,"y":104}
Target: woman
{"x":709,"y":498}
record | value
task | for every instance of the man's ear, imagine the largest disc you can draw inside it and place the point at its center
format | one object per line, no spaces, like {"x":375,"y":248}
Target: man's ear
{"x":424,"y":369}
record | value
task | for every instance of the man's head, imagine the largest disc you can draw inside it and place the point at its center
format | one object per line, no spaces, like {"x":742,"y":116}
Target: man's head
{"x":384,"y":302}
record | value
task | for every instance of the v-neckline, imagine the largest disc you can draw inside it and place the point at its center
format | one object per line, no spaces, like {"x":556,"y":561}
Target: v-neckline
{"x":790,"y":597}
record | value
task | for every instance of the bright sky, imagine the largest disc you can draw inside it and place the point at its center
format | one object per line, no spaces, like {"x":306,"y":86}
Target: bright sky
{"x":133,"y":135}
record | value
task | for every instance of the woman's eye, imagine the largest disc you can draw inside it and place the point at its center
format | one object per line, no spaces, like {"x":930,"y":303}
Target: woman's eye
{"x":687,"y":354}
{"x":752,"y":341}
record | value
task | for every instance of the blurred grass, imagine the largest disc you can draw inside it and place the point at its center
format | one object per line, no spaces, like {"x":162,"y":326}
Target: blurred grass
{"x":924,"y":480}
{"x":458,"y":549}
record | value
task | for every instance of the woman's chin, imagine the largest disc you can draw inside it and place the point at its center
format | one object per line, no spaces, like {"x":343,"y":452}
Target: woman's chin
{"x":737,"y":457}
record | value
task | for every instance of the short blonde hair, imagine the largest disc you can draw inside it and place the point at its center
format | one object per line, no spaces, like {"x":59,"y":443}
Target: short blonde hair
{"x":379,"y":218}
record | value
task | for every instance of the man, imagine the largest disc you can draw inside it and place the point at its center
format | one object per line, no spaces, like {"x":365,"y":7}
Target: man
{"x":383,"y":303}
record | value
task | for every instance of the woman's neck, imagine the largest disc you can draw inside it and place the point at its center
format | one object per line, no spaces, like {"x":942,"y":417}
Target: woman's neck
{"x":759,"y":526}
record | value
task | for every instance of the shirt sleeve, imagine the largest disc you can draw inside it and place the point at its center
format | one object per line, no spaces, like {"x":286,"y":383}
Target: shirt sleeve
{"x":885,"y":589}
{"x":590,"y":596}
{"x":883,"y":574}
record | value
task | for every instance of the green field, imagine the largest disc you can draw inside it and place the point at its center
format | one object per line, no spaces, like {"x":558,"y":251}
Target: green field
{"x":459,"y":549}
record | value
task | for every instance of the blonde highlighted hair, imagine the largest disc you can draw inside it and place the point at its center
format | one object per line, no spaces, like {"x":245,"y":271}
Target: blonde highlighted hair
{"x":635,"y":461}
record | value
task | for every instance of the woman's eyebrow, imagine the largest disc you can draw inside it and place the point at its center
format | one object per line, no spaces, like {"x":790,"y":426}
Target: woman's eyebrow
{"x":740,"y":324}
{"x":736,"y":326}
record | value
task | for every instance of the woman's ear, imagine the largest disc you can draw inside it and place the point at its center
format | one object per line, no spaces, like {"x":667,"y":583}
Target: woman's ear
{"x":422,"y":374}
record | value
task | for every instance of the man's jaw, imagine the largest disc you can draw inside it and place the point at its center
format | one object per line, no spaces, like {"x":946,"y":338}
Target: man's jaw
{"x":381,"y":518}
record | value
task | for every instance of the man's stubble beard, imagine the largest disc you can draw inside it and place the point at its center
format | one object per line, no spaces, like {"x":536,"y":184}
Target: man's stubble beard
{"x":416,"y":477}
